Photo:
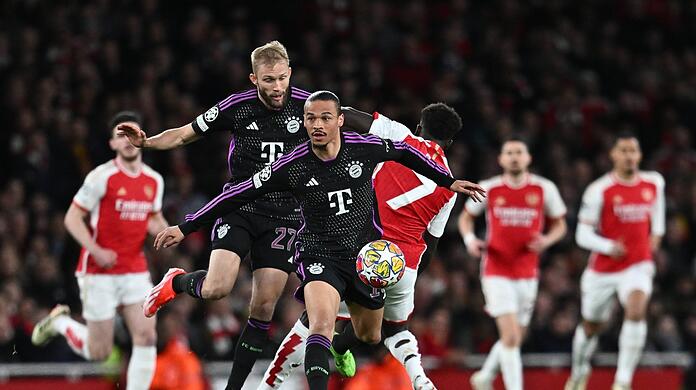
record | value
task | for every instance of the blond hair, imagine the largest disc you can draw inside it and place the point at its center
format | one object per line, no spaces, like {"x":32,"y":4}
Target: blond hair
{"x":270,"y":53}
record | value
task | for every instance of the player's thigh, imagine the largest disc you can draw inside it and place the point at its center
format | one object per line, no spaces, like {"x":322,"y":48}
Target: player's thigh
{"x":100,"y":336}
{"x":509,"y":329}
{"x":274,"y":243}
{"x":321,"y":289}
{"x":635,"y":288}
{"x":597,"y":295}
{"x":223,"y":268}
{"x":99,"y":296}
{"x":398,"y":304}
{"x":526,"y":295}
{"x":367,"y":322}
{"x":500,"y":296}
{"x":231,"y":239}
{"x":141,"y":328}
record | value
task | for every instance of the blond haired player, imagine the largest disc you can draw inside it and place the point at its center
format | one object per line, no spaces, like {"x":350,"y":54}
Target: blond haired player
{"x":517,"y":206}
{"x":621,"y":221}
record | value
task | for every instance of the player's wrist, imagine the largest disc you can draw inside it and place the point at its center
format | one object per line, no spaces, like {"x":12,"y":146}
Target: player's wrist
{"x":469,"y":239}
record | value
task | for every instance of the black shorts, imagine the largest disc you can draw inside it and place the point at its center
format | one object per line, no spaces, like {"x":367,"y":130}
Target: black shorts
{"x":341,"y":274}
{"x":269,"y":241}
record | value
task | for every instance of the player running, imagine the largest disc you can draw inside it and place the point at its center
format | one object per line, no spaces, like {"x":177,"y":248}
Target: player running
{"x":413,"y":212}
{"x":621,"y":221}
{"x":123,"y":200}
{"x":331,"y":177}
{"x":265,"y":122}
{"x":518,"y":203}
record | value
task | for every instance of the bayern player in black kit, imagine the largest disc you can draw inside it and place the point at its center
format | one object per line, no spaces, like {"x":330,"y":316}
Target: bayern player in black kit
{"x":264,"y":122}
{"x":331,"y":178}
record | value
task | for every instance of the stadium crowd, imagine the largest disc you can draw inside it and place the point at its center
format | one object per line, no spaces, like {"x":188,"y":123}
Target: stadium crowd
{"x":566,"y":75}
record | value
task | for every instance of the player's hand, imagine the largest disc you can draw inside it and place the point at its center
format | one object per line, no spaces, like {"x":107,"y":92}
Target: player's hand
{"x":168,"y":237}
{"x":133,"y":132}
{"x":475,"y":191}
{"x":618,"y":250}
{"x":474,"y":246}
{"x":539,"y":243}
{"x":105,"y":258}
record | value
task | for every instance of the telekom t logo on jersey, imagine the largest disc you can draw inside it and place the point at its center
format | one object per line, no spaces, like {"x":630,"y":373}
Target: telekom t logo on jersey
{"x":343,"y":198}
{"x":271,"y":151}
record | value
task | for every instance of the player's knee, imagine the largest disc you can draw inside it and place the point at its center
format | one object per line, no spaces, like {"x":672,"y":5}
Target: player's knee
{"x":145,"y":337}
{"x":262,"y":309}
{"x":322,"y":326}
{"x":99,"y":352}
{"x":370,"y":336}
{"x":635,"y":315}
{"x":591,"y":328}
{"x":511,"y":339}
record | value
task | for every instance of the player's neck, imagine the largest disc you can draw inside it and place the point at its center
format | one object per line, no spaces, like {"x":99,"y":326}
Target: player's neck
{"x":329,"y":151}
{"x":626,"y":176}
{"x":132,"y":167}
{"x":515,"y":179}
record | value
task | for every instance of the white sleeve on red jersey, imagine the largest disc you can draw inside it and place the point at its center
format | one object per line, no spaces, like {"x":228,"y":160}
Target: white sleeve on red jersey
{"x":554,"y":207}
{"x":477,"y":208}
{"x":436,"y":227}
{"x":657,"y":219}
{"x":384,"y":127}
{"x":592,"y":202}
{"x":157,"y":202}
{"x":94,"y":186}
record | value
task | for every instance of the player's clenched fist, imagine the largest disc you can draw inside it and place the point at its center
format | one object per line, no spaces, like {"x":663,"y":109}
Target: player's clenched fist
{"x":475,"y":191}
{"x":168,"y":237}
{"x":135,"y":134}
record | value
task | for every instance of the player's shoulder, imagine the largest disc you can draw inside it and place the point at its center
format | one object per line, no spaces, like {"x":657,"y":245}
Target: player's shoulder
{"x":492,"y":182}
{"x":299,"y":94}
{"x":600,"y":184}
{"x":654,"y":177}
{"x":541,"y":181}
{"x":103,"y":171}
{"x":237,"y":99}
{"x":351,"y":137}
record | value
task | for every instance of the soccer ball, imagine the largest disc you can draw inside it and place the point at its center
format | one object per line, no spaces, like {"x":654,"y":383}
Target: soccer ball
{"x":380,"y":264}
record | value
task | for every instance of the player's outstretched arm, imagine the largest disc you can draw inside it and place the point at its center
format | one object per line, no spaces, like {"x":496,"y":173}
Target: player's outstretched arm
{"x":168,"y":139}
{"x":356,"y":120}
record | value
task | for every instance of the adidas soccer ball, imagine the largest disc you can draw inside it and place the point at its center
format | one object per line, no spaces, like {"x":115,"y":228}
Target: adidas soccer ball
{"x":380,"y":264}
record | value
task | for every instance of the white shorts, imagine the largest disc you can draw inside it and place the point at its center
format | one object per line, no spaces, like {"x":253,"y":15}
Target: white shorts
{"x":398,"y":303}
{"x":102,"y":294}
{"x":598,"y":289}
{"x":510,"y":296}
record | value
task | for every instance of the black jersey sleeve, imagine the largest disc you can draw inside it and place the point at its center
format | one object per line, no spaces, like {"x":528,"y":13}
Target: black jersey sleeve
{"x":220,"y":117}
{"x":272,"y":178}
{"x":412,"y":158}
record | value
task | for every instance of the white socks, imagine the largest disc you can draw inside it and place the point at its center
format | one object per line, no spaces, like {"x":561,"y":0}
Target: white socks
{"x":404,"y":347}
{"x":583,"y":348}
{"x":141,"y":367}
{"x":491,"y":365}
{"x":75,"y":333}
{"x":290,"y":355}
{"x":631,"y":342}
{"x":511,"y":366}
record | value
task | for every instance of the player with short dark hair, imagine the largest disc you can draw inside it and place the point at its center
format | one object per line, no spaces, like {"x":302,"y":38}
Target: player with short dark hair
{"x":265,"y":122}
{"x":123,"y":200}
{"x":331,"y":178}
{"x":413,"y":213}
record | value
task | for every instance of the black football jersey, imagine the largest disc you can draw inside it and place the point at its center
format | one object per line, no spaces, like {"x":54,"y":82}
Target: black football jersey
{"x":259,"y":137}
{"x":336,"y":197}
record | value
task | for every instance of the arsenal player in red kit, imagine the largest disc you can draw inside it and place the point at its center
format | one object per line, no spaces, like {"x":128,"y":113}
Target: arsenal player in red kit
{"x":621,"y":221}
{"x":122,"y":199}
{"x":517,"y":206}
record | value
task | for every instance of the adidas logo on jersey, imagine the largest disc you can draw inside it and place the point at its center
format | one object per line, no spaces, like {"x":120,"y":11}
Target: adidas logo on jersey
{"x":253,"y":126}
{"x":312,"y":182}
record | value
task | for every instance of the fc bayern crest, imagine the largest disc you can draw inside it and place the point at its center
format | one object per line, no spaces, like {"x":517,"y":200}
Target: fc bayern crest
{"x":211,"y":114}
{"x":222,"y":230}
{"x":355,"y":169}
{"x":292,"y":124}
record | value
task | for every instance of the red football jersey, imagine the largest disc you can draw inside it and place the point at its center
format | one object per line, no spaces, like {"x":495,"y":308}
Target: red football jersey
{"x":625,"y":211}
{"x":514,"y":216}
{"x":119,"y":204}
{"x":409,"y":203}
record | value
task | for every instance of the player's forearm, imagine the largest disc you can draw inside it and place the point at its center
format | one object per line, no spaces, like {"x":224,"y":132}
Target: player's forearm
{"x":586,"y":238}
{"x":156,"y":223}
{"x":655,"y":242}
{"x":466,"y":227}
{"x":75,"y":225}
{"x":415,"y":160}
{"x":557,"y":230}
{"x":171,"y":138}
{"x":223,"y":204}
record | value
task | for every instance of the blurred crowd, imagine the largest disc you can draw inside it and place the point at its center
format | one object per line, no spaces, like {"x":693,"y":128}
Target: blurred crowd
{"x":564,"y":74}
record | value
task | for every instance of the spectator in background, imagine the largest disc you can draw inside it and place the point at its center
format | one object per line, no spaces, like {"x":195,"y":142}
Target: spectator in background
{"x":177,"y":368}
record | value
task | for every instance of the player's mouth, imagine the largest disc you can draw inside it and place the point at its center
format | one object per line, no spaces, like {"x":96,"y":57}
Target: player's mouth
{"x":317,"y":134}
{"x":277,"y":98}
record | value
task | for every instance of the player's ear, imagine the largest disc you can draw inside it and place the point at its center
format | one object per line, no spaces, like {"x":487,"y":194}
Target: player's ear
{"x":289,"y":72}
{"x":254,"y":80}
{"x":341,"y":118}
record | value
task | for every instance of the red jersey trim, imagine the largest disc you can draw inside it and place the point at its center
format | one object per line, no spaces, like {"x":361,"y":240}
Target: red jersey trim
{"x":81,"y":207}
